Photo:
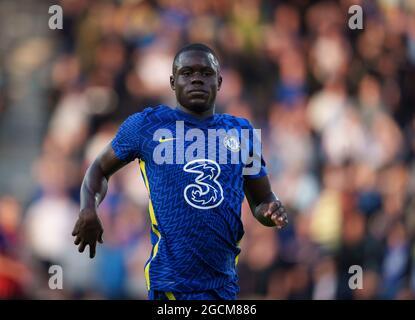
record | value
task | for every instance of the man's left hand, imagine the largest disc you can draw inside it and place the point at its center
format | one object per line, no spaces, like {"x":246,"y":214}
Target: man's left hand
{"x":274,"y":211}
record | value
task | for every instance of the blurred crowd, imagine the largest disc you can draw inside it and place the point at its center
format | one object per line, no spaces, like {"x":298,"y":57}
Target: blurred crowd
{"x":336,"y":108}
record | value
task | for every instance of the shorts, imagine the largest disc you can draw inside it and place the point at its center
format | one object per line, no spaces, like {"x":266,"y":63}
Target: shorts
{"x":225,"y":293}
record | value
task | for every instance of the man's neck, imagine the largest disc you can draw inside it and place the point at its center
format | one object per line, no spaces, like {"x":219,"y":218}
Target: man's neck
{"x":200,"y":115}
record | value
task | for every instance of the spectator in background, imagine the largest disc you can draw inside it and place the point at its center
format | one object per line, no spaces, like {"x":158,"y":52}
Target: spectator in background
{"x":15,"y":276}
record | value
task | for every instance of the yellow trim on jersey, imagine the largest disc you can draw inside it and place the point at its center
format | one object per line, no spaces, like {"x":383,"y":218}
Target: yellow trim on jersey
{"x":237,"y":257}
{"x":153,"y":224}
{"x":236,"y":260}
{"x":170,"y":296}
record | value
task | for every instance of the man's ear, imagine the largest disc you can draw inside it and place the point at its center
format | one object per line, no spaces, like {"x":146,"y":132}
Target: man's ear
{"x":219,"y":82}
{"x":172,"y":82}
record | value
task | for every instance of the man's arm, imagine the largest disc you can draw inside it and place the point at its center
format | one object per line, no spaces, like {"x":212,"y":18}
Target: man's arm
{"x":88,"y":228}
{"x":265,"y":206}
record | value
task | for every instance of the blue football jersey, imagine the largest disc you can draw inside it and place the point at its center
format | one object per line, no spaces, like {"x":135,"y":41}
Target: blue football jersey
{"x":194,"y":172}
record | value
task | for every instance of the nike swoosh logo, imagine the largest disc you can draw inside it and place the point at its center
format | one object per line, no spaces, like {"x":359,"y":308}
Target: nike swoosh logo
{"x":161,"y":140}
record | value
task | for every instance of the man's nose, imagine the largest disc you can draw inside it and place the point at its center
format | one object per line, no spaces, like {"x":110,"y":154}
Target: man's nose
{"x":197,"y":78}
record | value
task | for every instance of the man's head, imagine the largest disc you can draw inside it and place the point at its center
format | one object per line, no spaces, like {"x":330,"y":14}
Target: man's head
{"x":196,"y":77}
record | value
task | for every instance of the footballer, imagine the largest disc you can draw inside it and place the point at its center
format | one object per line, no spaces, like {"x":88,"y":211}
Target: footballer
{"x":195,"y":193}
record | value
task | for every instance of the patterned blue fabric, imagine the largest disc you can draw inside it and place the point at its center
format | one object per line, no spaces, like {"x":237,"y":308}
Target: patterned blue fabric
{"x":197,"y":204}
{"x":226,"y":293}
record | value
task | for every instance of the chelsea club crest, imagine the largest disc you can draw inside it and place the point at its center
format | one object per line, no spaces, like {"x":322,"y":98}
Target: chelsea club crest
{"x":232,"y":143}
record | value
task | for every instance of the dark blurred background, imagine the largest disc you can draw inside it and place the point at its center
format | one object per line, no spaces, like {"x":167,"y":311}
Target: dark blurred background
{"x":336,"y":109}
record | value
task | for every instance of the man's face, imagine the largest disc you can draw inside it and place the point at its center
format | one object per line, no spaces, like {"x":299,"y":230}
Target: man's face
{"x":196,"y":80}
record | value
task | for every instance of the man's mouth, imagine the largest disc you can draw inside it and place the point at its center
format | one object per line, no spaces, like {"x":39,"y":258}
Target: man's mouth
{"x":197,"y":92}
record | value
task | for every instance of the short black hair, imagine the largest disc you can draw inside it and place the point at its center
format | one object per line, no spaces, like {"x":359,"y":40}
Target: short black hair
{"x":194,"y":47}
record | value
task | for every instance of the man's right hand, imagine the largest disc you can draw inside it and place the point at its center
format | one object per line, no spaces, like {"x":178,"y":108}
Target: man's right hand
{"x":88,"y":230}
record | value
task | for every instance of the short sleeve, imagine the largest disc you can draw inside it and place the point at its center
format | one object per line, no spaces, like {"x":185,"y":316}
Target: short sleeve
{"x":126,"y":143}
{"x":255,"y":167}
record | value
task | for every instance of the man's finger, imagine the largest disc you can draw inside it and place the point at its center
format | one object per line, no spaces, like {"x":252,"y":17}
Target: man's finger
{"x":75,"y":230}
{"x":280,"y":212}
{"x":100,"y":237}
{"x":92,"y":247}
{"x":276,"y":216}
{"x":279,"y":220}
{"x":77,"y":240}
{"x":283,"y":222}
{"x":82,"y":246}
{"x":279,"y":223}
{"x":272,"y":207}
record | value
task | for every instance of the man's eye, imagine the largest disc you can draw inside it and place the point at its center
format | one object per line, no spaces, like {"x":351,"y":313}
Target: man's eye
{"x":207,"y":74}
{"x":186,"y":73}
